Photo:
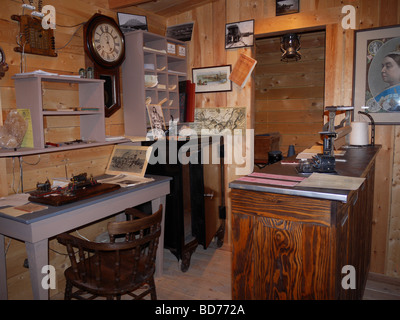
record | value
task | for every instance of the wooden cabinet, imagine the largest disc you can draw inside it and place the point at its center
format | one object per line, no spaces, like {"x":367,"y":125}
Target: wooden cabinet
{"x":195,"y":209}
{"x":147,"y":55}
{"x":287,"y":246}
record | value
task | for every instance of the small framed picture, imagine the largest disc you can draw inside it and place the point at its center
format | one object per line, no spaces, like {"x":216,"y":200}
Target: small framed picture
{"x":212,"y":79}
{"x":181,"y":51}
{"x":287,"y":7}
{"x":130,"y":22}
{"x":129,"y":160}
{"x":171,"y":48}
{"x":182,"y":32}
{"x":156,"y":117}
{"x":239,"y":34}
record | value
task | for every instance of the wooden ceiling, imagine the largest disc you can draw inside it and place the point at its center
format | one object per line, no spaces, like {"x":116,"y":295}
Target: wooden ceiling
{"x":165,"y":8}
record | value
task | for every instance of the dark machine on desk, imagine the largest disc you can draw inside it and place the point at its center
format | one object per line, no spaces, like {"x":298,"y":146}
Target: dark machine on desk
{"x":80,"y":187}
{"x":325,"y":162}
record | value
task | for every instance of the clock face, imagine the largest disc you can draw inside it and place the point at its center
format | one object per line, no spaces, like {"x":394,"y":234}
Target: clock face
{"x":107,"y":42}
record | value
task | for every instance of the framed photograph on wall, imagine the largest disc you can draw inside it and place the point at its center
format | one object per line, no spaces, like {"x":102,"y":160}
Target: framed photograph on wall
{"x":181,"y":32}
{"x":239,"y":34}
{"x":130,"y":22}
{"x":212,"y":79}
{"x":376,"y":88}
{"x":287,"y":7}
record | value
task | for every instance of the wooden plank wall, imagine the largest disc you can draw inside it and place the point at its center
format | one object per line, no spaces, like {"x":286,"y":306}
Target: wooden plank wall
{"x":207,"y":49}
{"x":38,"y":168}
{"x":289,"y":96}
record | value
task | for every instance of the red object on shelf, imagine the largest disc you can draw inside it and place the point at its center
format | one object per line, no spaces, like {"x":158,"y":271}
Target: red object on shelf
{"x":190,"y":101}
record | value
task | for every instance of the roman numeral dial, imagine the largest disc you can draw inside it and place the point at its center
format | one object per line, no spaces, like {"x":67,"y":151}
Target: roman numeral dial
{"x":104,"y":41}
{"x":107,"y":42}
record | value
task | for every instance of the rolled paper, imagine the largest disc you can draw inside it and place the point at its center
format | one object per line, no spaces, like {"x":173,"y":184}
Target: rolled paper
{"x":359,"y":133}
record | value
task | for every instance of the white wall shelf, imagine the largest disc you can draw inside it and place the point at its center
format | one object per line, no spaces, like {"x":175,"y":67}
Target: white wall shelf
{"x":29,"y":95}
{"x":146,"y":54}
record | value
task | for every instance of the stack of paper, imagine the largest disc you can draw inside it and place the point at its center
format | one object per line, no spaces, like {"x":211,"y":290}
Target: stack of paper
{"x":314,"y":150}
{"x":38,"y":72}
{"x":328,"y":181}
{"x":18,"y":204}
{"x":272,"y":179}
{"x":125,"y":180}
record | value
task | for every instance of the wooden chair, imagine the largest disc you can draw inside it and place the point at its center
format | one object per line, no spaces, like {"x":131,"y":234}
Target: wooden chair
{"x":117,"y":268}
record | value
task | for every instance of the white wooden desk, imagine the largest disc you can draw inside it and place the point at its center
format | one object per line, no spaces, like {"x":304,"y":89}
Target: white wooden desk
{"x":36,"y":228}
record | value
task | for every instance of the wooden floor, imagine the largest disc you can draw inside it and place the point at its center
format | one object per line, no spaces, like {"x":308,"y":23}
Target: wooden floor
{"x":209,"y":278}
{"x":380,"y":287}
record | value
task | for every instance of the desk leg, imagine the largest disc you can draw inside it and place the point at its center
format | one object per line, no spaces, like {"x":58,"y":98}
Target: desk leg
{"x":155,"y":204}
{"x":38,"y":256}
{"x":3,"y":270}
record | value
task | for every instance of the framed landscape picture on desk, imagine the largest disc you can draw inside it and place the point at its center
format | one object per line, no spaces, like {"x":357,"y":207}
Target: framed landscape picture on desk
{"x":129,"y":160}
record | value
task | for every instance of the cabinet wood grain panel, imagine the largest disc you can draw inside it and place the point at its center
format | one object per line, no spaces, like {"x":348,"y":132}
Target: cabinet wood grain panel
{"x":280,"y":205}
{"x":242,"y":257}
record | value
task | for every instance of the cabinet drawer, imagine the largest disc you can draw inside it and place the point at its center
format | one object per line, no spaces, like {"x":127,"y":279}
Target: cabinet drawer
{"x":285,"y":207}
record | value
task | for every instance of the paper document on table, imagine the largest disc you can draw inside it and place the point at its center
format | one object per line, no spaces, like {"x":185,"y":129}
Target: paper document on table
{"x":328,"y":181}
{"x":314,"y":150}
{"x":37,"y":72}
{"x":272,"y":179}
{"x":283,"y":183}
{"x":125,"y":180}
{"x":23,"y":209}
{"x":11,"y":211}
{"x":276,"y":176}
{"x":13,"y":200}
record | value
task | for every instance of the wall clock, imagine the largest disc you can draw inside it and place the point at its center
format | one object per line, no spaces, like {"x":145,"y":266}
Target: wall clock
{"x":3,"y":64}
{"x":104,"y":45}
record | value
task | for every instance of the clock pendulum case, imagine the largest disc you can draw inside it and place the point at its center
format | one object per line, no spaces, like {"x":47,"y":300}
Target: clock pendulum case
{"x":104,"y":45}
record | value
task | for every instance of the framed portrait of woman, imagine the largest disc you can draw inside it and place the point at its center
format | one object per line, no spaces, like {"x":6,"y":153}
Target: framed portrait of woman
{"x":377,"y":74}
